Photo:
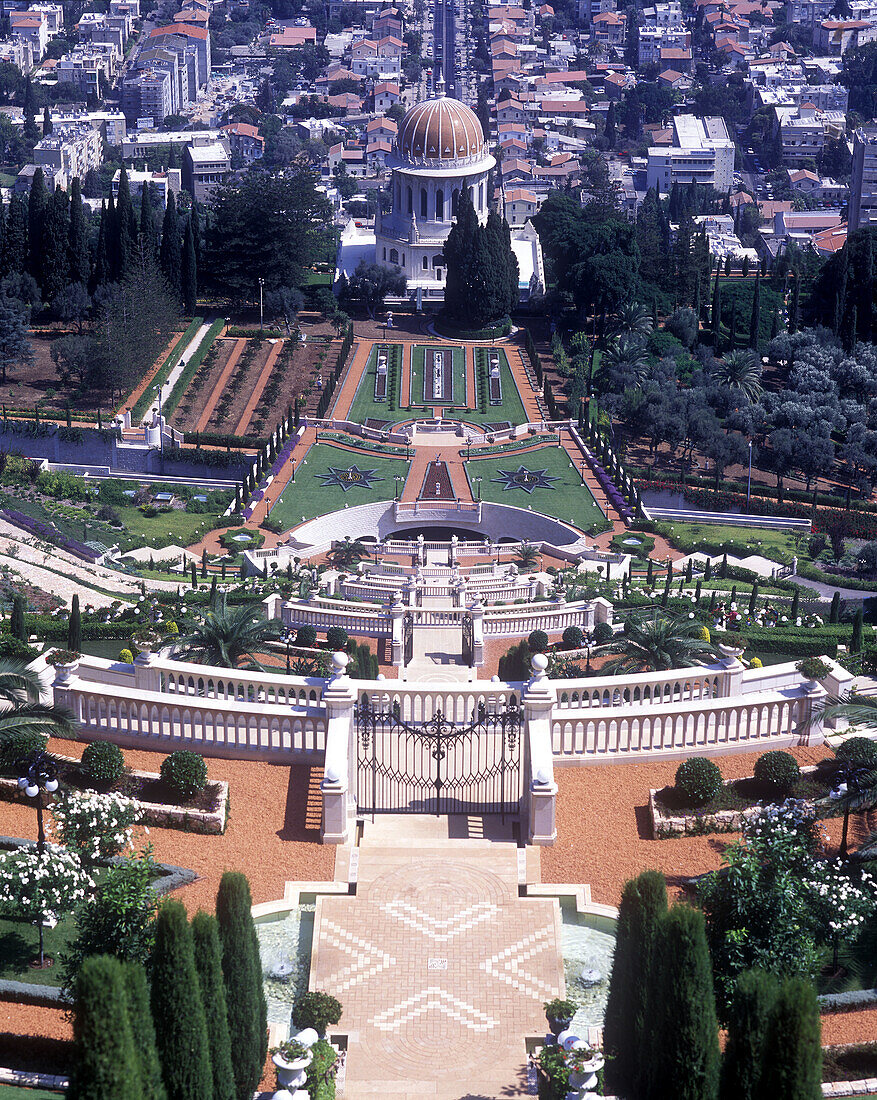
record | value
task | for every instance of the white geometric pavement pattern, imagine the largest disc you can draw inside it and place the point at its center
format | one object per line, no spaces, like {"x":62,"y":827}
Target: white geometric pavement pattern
{"x":370,"y":960}
{"x":452,"y":926}
{"x":505,"y":965}
{"x":433,"y":997}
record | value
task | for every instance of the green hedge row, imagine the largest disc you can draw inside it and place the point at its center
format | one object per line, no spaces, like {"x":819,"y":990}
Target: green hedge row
{"x":812,"y":573}
{"x":191,"y":369}
{"x":222,"y":439}
{"x":145,"y":399}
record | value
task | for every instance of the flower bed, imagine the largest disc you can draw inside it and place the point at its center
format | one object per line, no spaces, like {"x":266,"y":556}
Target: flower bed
{"x":738,"y":801}
{"x":206,"y":814}
{"x":50,"y":534}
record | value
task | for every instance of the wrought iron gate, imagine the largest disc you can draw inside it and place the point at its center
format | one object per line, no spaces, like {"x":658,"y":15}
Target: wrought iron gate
{"x":468,"y":640}
{"x":407,"y":638}
{"x":438,"y":766}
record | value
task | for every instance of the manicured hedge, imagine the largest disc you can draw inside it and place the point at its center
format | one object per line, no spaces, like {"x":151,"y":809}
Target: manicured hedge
{"x":222,"y":439}
{"x":145,"y":399}
{"x":191,"y":369}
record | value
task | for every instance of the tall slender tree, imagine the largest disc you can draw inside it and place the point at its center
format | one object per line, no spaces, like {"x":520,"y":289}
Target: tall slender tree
{"x":752,"y":1002}
{"x":105,"y":1062}
{"x":177,"y":1008}
{"x":127,"y":227}
{"x":792,"y":1064}
{"x":53,"y":266}
{"x":14,"y":256}
{"x":102,"y":268}
{"x":80,"y":264}
{"x":755,"y":318}
{"x":242,"y":970}
{"x":47,"y":121}
{"x":30,"y":134}
{"x":189,"y":271}
{"x":74,"y":626}
{"x":149,"y":239}
{"x":36,"y":211}
{"x":143,"y":1031}
{"x":171,"y":253}
{"x":208,"y":963}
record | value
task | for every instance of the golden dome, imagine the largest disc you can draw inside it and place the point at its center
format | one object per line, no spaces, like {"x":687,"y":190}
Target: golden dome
{"x":440,"y":129}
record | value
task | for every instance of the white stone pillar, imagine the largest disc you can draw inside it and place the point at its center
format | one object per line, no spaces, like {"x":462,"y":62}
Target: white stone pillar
{"x":812,"y":727}
{"x":538,"y":703}
{"x":147,"y":677}
{"x":397,"y":616}
{"x":732,"y":676}
{"x":477,"y":611}
{"x":339,"y":699}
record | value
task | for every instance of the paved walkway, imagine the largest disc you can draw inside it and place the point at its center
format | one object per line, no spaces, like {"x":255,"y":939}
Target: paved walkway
{"x":442,"y":969}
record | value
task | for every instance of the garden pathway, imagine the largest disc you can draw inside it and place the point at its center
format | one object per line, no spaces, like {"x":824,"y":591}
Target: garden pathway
{"x":221,"y":382}
{"x":441,"y":967}
{"x":347,"y":392}
{"x":261,"y":383}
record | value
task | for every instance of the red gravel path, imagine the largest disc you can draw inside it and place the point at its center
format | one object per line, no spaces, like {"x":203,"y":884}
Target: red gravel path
{"x":261,"y":383}
{"x":221,"y":382}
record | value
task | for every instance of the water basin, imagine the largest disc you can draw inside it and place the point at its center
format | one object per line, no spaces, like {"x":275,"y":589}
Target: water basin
{"x":587,"y":942}
{"x":631,"y":542}
{"x":285,"y":942}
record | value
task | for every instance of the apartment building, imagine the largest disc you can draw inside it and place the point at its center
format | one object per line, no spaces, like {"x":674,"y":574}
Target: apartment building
{"x":149,"y":94}
{"x":160,"y":184}
{"x":144,"y":142}
{"x":863,"y":184}
{"x":89,"y":68}
{"x":69,"y":153}
{"x":205,"y":166}
{"x":803,"y":131}
{"x":702,"y":152}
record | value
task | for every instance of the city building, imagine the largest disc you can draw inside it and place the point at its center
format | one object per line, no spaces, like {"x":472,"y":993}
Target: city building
{"x":160,"y":184}
{"x":863,"y":184}
{"x":148,"y":96}
{"x":205,"y":165}
{"x":702,"y":152}
{"x":70,"y":152}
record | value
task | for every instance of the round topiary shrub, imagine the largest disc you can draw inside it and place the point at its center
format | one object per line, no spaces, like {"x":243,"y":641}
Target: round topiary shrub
{"x":185,"y":773}
{"x":126,"y":656}
{"x":861,"y":751}
{"x":305,"y":636}
{"x":17,"y":746}
{"x":602,"y":633}
{"x":537,"y":641}
{"x":317,"y":1010}
{"x":779,"y":769}
{"x":103,"y":762}
{"x":336,"y":638}
{"x":756,"y":662}
{"x":573,"y":637}
{"x":698,"y":779}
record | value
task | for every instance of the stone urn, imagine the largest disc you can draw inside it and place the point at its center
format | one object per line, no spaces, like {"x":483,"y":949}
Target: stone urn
{"x":66,"y":665}
{"x":291,"y":1072}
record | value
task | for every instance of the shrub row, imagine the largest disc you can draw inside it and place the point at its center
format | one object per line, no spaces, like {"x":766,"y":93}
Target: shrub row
{"x":190,"y":369}
{"x":145,"y":399}
{"x":225,"y":439}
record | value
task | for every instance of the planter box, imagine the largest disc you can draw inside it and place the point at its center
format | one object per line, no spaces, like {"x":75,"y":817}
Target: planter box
{"x":188,"y":820}
{"x":666,"y":826}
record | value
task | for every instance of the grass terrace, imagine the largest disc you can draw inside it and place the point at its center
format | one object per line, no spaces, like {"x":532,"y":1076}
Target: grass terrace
{"x":457,"y":399}
{"x":714,"y":538}
{"x":562,"y":494}
{"x":365,"y":407}
{"x":312,"y":495}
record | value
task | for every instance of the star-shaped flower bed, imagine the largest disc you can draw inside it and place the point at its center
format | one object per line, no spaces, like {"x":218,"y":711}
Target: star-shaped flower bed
{"x":351,"y":478}
{"x":525,"y":479}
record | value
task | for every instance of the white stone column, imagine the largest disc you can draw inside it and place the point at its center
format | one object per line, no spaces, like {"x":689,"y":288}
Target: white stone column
{"x":147,"y":677}
{"x":339,"y":699}
{"x":477,"y":611}
{"x":397,"y":615}
{"x":812,"y":727}
{"x":538,"y":703}
{"x":732,"y":676}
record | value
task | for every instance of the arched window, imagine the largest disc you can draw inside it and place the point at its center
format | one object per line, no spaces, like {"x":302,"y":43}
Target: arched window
{"x":483,"y":195}
{"x":440,"y":205}
{"x":424,"y":208}
{"x":410,"y":201}
{"x":425,"y":263}
{"x":438,"y":261}
{"x":394,"y":256}
{"x":403,"y":259}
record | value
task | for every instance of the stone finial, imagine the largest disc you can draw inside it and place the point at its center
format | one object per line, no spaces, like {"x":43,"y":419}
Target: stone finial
{"x":340,"y":661}
{"x":538,"y":666}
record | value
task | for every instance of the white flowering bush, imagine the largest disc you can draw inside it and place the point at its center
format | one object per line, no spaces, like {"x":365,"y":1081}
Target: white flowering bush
{"x":42,"y":887}
{"x":842,"y":897}
{"x":96,"y":826}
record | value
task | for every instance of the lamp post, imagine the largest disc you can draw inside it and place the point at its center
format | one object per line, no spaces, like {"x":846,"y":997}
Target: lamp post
{"x":292,"y":479}
{"x":40,"y":774}
{"x":261,"y":312}
{"x":582,"y":471}
{"x":288,"y":639}
{"x":588,"y":643}
{"x":749,"y":478}
{"x":397,"y":478}
{"x":478,"y":483}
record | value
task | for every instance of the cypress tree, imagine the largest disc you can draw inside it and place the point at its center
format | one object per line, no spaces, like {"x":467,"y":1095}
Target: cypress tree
{"x":143,"y":1031}
{"x":74,"y":626}
{"x":148,"y":232}
{"x":208,"y":963}
{"x":756,"y":313}
{"x":47,"y":121}
{"x":105,"y":1061}
{"x":856,"y":636}
{"x":242,"y":970}
{"x":177,"y":1008}
{"x":17,"y":626}
{"x":80,"y":265}
{"x":684,"y":1056}
{"x":36,"y":212}
{"x":54,"y":261}
{"x":112,"y":232}
{"x":30,"y":133}
{"x":796,"y":604}
{"x":127,"y":227}
{"x":171,"y":254}
{"x":195,"y":219}
{"x":189,"y":272}
{"x":102,"y":271}
{"x":792,"y":1065}
{"x":609,"y":132}
{"x":752,"y":1001}
{"x":643,"y":905}
{"x":457,"y":253}
{"x":513,"y":273}
{"x":793,"y":309}
{"x":14,"y":257}
{"x":834,"y":613}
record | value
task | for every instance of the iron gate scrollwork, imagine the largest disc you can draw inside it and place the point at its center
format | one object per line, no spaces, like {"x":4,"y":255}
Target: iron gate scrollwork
{"x":438,"y":766}
{"x":407,"y":638}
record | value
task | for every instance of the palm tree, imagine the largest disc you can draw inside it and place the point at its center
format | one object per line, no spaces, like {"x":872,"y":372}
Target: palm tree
{"x":632,"y":318}
{"x":348,"y":553}
{"x":739,"y":370}
{"x":656,"y":644}
{"x":528,"y":555}
{"x":20,"y":688}
{"x":224,"y":637}
{"x":629,"y":350}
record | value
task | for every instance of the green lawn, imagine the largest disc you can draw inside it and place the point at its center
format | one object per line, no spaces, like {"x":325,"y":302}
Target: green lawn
{"x":512,"y":407}
{"x":19,"y":943}
{"x":309,"y":496}
{"x":176,"y":527}
{"x":364,"y":406}
{"x":567,"y":498}
{"x":458,"y":396}
{"x":714,"y":538}
{"x":13,"y":1092}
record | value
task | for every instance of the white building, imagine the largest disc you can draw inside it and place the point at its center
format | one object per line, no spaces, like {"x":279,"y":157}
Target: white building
{"x":440,"y":149}
{"x":160,"y":183}
{"x":702,"y":152}
{"x":69,"y":153}
{"x":863,"y":184}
